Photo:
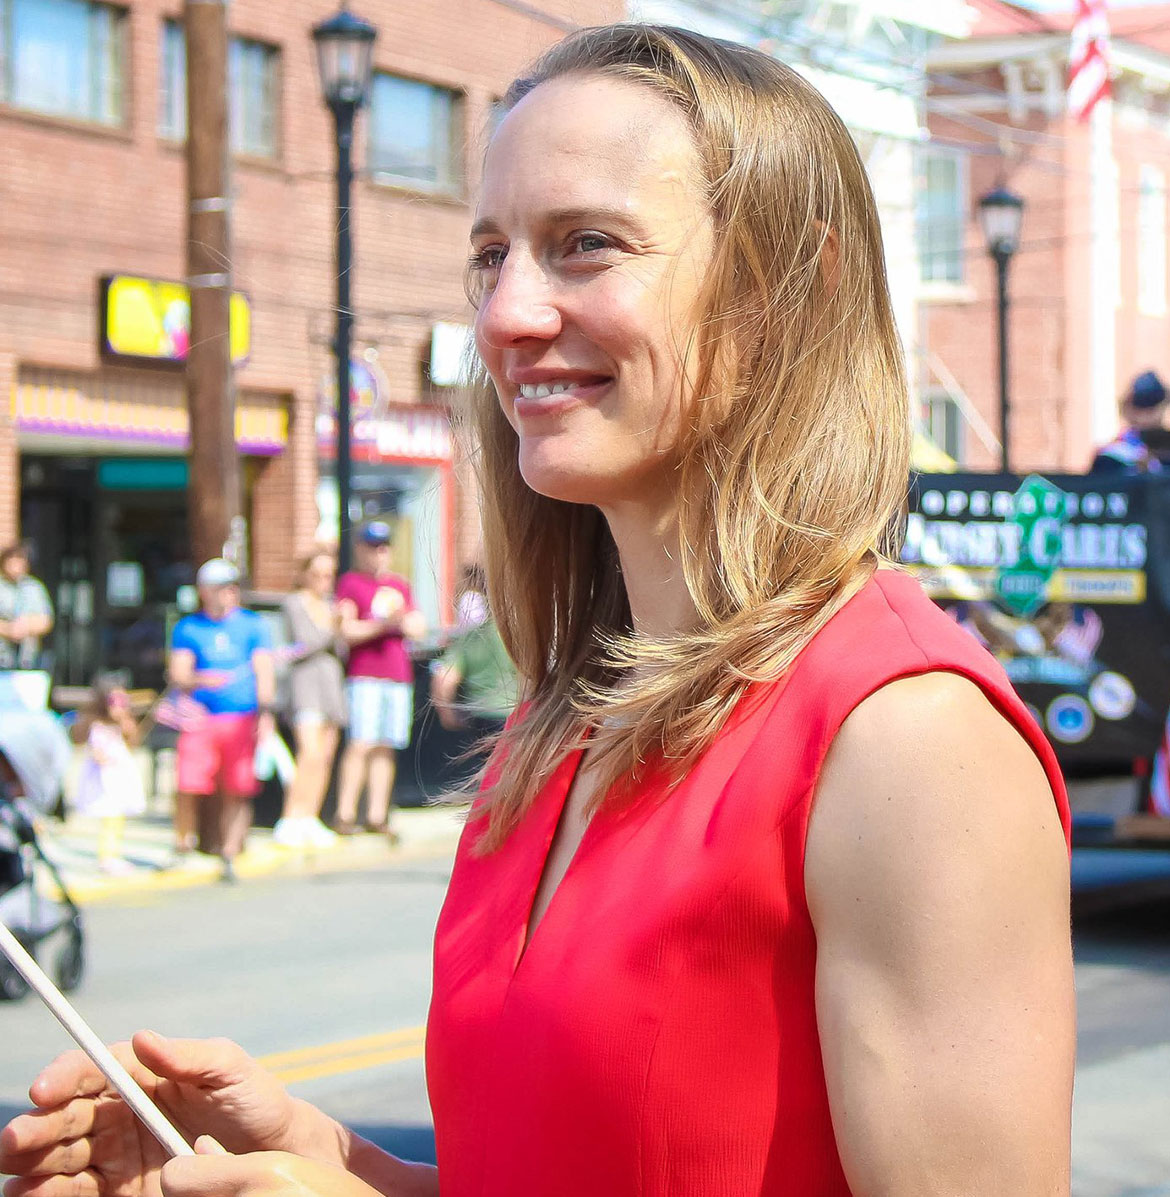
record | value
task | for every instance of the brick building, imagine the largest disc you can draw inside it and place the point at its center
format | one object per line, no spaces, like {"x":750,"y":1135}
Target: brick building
{"x":92,"y":117}
{"x":1088,"y":286}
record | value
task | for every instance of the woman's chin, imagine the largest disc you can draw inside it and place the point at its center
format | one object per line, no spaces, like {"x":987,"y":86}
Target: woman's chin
{"x":563,"y":483}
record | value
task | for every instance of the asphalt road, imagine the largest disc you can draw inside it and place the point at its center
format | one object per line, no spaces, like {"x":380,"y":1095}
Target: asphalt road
{"x":1121,"y":1127}
{"x":335,"y":969}
{"x":328,"y":977}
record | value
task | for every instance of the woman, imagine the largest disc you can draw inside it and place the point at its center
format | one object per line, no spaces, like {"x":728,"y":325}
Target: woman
{"x":662,"y":967}
{"x":317,"y":695}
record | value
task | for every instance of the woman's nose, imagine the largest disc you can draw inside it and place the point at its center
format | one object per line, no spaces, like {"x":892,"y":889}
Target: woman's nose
{"x":521,"y":306}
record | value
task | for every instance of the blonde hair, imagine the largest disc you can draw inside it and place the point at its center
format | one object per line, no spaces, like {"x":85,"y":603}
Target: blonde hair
{"x":794,"y":453}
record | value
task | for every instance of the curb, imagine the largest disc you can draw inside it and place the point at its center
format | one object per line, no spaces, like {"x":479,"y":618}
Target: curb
{"x":263,"y":858}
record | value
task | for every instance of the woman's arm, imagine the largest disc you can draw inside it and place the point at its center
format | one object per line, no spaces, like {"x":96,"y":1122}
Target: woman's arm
{"x":937,"y":878}
{"x":182,"y":674}
{"x":307,"y":634}
{"x":387,"y":1174}
{"x":444,"y":688}
{"x":357,"y":631}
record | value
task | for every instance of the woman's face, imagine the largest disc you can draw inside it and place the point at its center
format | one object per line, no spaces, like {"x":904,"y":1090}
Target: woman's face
{"x":319,"y":576}
{"x":589,"y":248}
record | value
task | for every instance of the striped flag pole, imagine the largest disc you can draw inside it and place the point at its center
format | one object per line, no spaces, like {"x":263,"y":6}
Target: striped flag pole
{"x":1088,"y":67}
{"x":1089,"y":102}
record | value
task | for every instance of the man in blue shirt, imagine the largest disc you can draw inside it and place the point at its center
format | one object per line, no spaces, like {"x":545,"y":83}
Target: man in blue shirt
{"x":1143,"y":410}
{"x":221,"y":656}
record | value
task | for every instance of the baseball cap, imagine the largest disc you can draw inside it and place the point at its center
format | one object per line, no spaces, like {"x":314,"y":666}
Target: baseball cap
{"x":377,"y":532}
{"x":1147,"y":390}
{"x":217,"y":572}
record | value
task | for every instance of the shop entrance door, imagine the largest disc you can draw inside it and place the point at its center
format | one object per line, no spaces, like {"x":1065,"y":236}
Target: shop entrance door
{"x":142,"y":560}
{"x":57,"y":520}
{"x":109,"y":537}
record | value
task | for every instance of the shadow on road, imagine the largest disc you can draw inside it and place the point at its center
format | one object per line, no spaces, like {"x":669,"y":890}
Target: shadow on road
{"x":1136,"y":936}
{"x":415,"y":1143}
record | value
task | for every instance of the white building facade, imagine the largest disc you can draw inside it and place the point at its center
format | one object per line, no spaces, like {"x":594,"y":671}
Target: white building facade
{"x":868,"y":58}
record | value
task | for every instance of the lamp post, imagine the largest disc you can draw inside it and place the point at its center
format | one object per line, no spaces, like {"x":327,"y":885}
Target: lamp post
{"x":345,"y":45}
{"x":1001,"y":214}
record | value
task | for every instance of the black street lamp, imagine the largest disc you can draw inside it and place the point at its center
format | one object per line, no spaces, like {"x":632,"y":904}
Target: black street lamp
{"x":1001,"y":214}
{"x":345,"y":46}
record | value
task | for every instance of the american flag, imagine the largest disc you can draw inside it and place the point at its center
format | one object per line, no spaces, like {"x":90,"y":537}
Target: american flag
{"x":1077,"y":641}
{"x":179,"y":711}
{"x":1088,"y":64}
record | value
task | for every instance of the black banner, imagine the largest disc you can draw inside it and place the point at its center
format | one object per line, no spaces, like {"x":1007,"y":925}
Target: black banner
{"x":1066,"y":580}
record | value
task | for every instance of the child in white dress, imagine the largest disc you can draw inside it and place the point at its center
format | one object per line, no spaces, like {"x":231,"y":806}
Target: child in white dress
{"x":110,"y":785}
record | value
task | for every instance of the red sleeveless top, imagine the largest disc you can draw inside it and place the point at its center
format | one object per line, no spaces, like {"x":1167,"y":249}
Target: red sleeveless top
{"x":658,"y":1036}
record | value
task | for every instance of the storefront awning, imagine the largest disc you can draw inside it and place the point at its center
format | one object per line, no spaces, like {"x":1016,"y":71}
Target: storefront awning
{"x":115,"y":408}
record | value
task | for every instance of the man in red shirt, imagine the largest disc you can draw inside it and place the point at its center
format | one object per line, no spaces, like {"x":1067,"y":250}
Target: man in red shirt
{"x":377,"y":618}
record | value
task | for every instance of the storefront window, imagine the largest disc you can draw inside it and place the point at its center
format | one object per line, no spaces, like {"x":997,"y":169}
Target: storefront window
{"x":253,"y":92}
{"x":942,"y":215}
{"x":415,"y":134}
{"x":63,"y":58}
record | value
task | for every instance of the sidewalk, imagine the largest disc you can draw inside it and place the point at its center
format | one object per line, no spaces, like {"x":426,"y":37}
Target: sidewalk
{"x":425,"y":832}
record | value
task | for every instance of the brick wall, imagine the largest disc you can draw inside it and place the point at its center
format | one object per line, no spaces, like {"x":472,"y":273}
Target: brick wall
{"x":1051,"y":313}
{"x":79,"y":202}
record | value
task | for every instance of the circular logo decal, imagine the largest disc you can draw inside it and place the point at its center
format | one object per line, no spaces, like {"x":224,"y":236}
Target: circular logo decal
{"x":1069,"y":719}
{"x":1112,"y":696}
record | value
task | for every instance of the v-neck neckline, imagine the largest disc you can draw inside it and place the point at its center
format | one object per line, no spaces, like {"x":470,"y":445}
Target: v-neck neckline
{"x":561,"y":786}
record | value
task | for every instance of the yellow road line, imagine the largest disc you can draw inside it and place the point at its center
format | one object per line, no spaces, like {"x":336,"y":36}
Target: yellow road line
{"x":354,"y":1063}
{"x":346,"y":1055}
{"x":366,"y":1043}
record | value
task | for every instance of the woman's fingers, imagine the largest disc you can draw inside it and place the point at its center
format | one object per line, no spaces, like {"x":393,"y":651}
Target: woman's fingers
{"x":85,"y":1184}
{"x":64,"y":1140}
{"x":214,"y":1062}
{"x":199,"y":1176}
{"x":261,"y":1174}
{"x":39,"y":1129}
{"x":62,"y":1159}
{"x":72,"y":1075}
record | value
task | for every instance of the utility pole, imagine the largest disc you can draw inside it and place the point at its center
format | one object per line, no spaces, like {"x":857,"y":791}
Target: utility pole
{"x":214,"y":501}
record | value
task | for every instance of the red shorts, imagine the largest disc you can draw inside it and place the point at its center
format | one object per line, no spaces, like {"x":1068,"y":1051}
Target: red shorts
{"x":218,"y":756}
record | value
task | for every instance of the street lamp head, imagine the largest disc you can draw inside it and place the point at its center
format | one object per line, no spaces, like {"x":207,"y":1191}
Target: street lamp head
{"x":1001,"y":213}
{"x":345,"y":46}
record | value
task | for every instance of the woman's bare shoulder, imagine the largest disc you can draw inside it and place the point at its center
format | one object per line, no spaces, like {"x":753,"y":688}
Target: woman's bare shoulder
{"x":928,"y":772}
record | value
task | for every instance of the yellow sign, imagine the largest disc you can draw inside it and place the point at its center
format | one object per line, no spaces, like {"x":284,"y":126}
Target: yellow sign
{"x":1065,"y":585}
{"x":150,"y":320}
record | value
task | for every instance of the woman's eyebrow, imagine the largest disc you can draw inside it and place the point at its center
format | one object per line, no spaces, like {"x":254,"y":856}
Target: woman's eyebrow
{"x":578,"y":214}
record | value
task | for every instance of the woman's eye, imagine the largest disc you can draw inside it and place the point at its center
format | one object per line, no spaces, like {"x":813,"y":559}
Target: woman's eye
{"x":483,"y":272}
{"x":589,"y":243}
{"x":491,"y":257}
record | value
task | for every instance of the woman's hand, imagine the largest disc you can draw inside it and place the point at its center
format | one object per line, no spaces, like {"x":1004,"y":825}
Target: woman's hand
{"x":215,"y":1173}
{"x":82,"y":1139}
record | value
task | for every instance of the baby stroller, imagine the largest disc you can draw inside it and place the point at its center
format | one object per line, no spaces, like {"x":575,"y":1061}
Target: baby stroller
{"x":34,"y":755}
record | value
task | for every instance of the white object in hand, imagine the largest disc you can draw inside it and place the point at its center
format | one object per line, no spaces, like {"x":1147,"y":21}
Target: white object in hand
{"x":387,"y":601}
{"x":129,"y":1089}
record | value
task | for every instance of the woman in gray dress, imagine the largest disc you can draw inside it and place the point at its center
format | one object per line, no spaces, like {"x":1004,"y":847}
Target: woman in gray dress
{"x":317,"y":698}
